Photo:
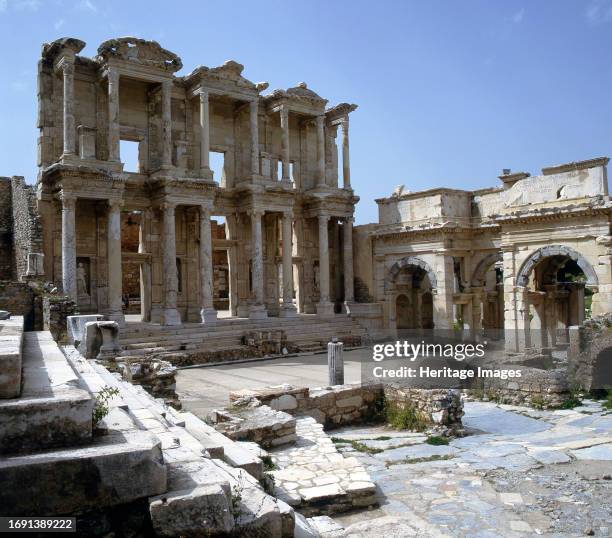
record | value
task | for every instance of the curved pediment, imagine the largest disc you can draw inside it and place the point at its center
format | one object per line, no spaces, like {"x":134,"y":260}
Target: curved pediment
{"x":139,"y":51}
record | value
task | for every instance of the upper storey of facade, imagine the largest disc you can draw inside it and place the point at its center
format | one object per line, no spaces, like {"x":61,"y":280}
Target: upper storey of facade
{"x":568,"y":188}
{"x":129,"y":91}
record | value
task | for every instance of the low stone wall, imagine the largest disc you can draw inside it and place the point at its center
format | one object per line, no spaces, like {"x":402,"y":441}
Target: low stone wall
{"x":55,"y":311}
{"x":11,"y":344}
{"x":590,"y":353}
{"x":157,"y":377}
{"x":342,"y":405}
{"x":537,"y":388}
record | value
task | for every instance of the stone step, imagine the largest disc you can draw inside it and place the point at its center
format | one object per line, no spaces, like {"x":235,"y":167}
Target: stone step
{"x":75,"y":479}
{"x":55,"y":407}
{"x":11,"y":344}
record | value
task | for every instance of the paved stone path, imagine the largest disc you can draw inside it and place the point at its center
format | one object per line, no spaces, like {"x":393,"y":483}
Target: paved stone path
{"x":522,"y":473}
{"x":313,"y":471}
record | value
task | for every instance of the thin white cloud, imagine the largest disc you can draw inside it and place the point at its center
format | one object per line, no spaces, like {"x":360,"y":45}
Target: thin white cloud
{"x":518,"y":16}
{"x":87,"y":5}
{"x":599,"y":11}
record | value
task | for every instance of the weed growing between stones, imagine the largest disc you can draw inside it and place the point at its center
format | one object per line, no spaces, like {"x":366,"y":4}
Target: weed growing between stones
{"x":435,"y":457}
{"x":268,"y":483}
{"x":268,"y":463}
{"x":100,"y":409}
{"x":406,"y":417}
{"x":359,"y":447}
{"x":437,"y":440}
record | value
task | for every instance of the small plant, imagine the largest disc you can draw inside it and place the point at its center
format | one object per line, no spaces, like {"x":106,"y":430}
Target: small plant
{"x":437,"y":440}
{"x":100,"y":409}
{"x":406,"y":418}
{"x":236,"y":499}
{"x":268,"y":463}
{"x":538,"y":402}
{"x":358,"y":446}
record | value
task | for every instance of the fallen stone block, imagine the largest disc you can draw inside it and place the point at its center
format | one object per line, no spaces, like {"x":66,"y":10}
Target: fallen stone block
{"x":202,"y":511}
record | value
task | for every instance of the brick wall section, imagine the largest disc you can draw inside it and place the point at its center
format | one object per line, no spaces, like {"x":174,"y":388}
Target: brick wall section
{"x":6,"y":230}
{"x":27,"y":225}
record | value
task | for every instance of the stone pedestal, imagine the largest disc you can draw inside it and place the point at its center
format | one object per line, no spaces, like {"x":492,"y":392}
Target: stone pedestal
{"x":335,"y":362}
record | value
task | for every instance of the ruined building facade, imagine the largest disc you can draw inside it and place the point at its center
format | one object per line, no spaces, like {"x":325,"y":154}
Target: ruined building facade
{"x":532,"y":257}
{"x":288,"y":215}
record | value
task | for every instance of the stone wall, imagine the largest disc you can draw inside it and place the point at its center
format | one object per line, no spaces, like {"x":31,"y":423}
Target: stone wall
{"x":55,"y":310}
{"x":590,"y":354}
{"x":18,"y":299}
{"x":343,"y":405}
{"x":6,"y":230}
{"x":27,"y":227}
{"x":544,"y":389}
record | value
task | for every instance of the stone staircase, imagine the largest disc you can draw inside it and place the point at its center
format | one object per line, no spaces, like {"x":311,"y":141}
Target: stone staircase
{"x":308,"y":332}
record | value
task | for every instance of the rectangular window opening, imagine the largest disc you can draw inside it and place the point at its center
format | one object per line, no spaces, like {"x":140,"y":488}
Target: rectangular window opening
{"x":217,"y":165}
{"x":129,"y":151}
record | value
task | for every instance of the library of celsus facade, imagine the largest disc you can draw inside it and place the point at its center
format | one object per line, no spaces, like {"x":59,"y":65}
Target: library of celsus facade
{"x":288,"y":211}
{"x":531,"y":257}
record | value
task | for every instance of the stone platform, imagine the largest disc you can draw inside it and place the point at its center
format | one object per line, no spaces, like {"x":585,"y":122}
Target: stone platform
{"x":54,"y":408}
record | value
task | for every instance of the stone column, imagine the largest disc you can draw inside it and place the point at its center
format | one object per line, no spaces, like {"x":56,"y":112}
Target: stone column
{"x":257,"y":309}
{"x":325,"y":307}
{"x":69,"y":283}
{"x":207,"y":312}
{"x":115,"y":279}
{"x":335,"y":362}
{"x":230,"y":232}
{"x":346,"y":166}
{"x":349,"y":285}
{"x":320,"y":151}
{"x":113,"y":116}
{"x":284,"y":121}
{"x":166,"y":124}
{"x":204,"y":135}
{"x":254,"y":107}
{"x":145,"y":268}
{"x":170,"y":315}
{"x":69,"y":127}
{"x":288,"y":307}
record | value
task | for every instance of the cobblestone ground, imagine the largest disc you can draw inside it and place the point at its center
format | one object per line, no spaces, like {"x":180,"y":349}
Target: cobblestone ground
{"x":521,"y":472}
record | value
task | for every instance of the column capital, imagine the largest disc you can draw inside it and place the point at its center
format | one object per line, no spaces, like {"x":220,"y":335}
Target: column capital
{"x":205,"y":211}
{"x":202,"y":93}
{"x":167,"y":85}
{"x":115,"y":205}
{"x":168,"y":206}
{"x":323,"y":218}
{"x":112,"y":75}
{"x":65,"y":65}
{"x":256,"y":212}
{"x":284,"y":111}
{"x":350,"y":219}
{"x":68,"y":200}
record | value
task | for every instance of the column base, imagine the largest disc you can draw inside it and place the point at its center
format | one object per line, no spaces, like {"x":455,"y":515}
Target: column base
{"x":346,"y":306}
{"x":288,"y":311}
{"x":118,"y":317}
{"x":208,"y":316}
{"x":242,"y":311}
{"x":258,"y":311}
{"x":171,"y":316}
{"x":325,"y":309}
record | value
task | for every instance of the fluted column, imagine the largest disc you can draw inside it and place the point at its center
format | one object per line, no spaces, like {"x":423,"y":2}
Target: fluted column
{"x":324,"y":307}
{"x":69,"y":127}
{"x":349,"y":286}
{"x":346,"y":166}
{"x":284,"y":121}
{"x":166,"y":124}
{"x":204,"y":135}
{"x":113,"y":116}
{"x":115,"y":278}
{"x":170,"y":314}
{"x":207,"y":310}
{"x":320,"y":151}
{"x":257,"y":309}
{"x":69,"y":283}
{"x":254,"y":106}
{"x":288,"y":308}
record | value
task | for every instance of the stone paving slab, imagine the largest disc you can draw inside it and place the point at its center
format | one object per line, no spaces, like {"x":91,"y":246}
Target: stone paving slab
{"x":315,"y":477}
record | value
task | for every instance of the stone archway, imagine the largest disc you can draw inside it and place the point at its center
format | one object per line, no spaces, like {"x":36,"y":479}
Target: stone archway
{"x":522,"y":278}
{"x":479,"y":276}
{"x":489,"y":297}
{"x":409,"y":261}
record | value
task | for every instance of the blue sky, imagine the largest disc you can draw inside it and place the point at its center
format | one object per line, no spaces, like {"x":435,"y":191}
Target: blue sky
{"x":449,"y":92}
